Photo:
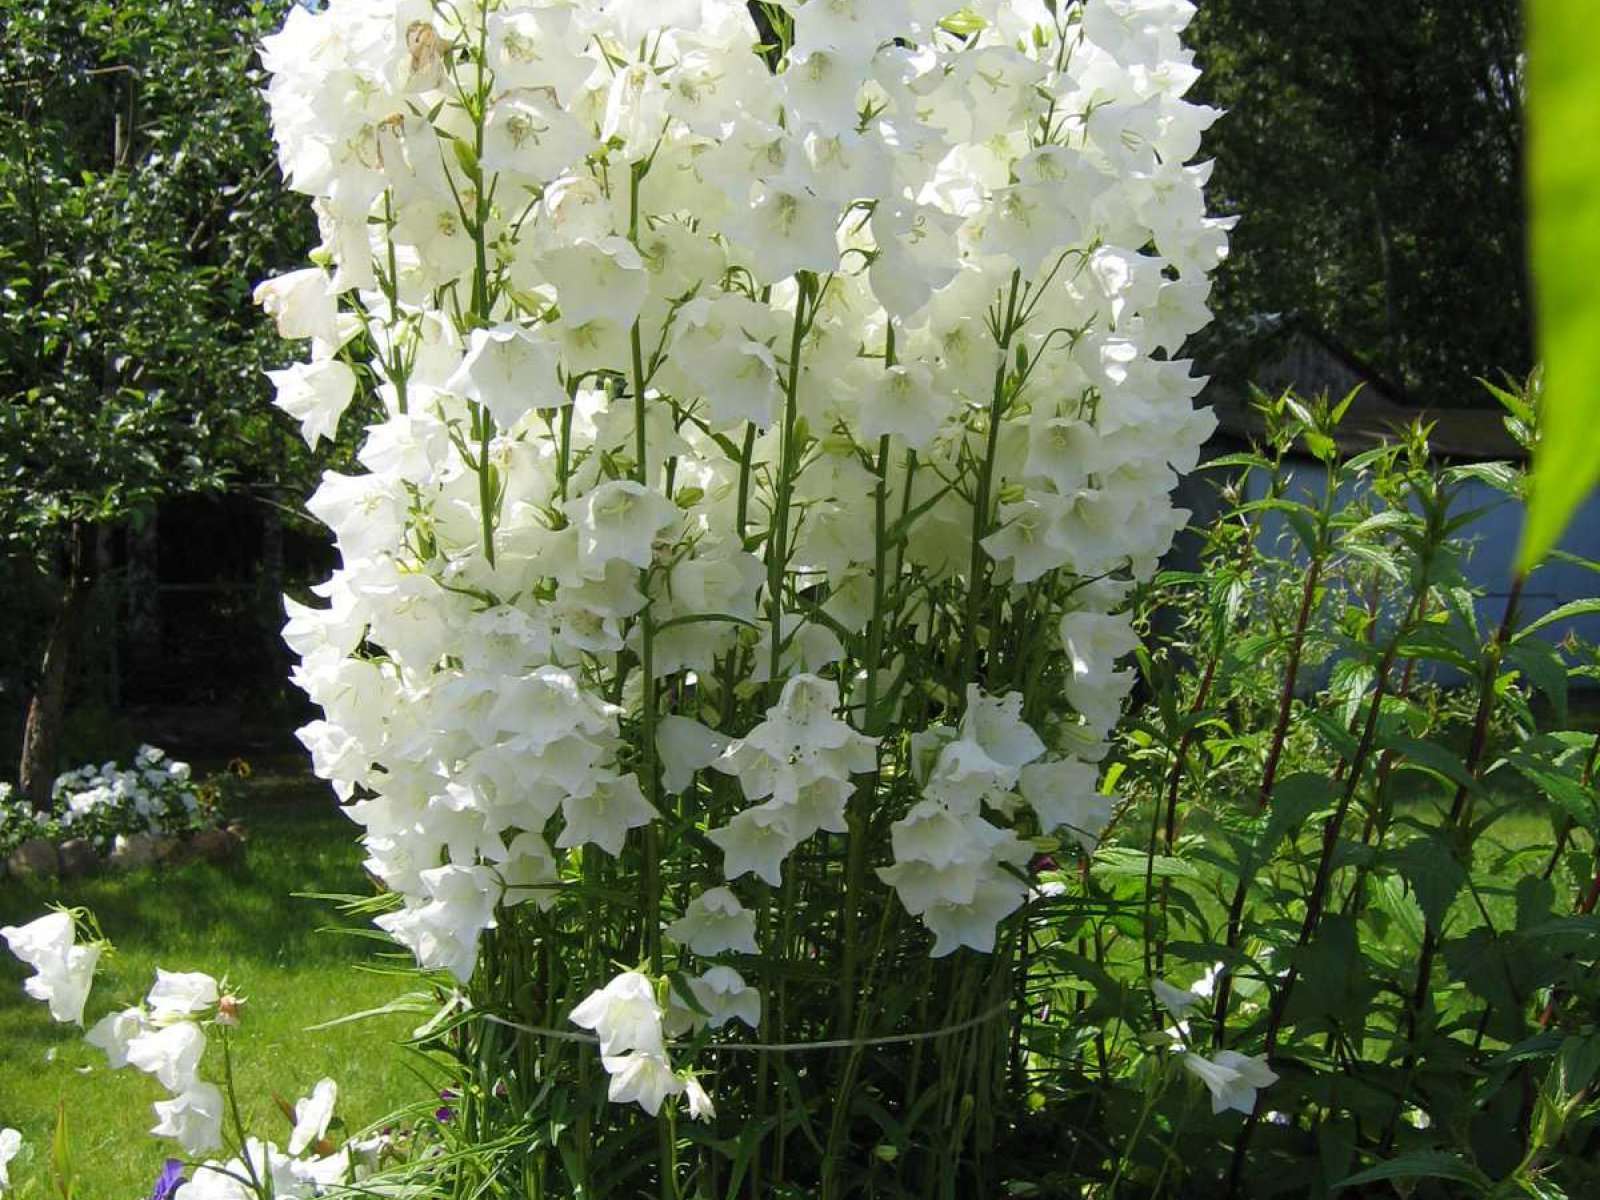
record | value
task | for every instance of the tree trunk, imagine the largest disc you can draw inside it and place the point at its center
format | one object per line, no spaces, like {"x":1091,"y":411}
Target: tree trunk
{"x":41,"y":737}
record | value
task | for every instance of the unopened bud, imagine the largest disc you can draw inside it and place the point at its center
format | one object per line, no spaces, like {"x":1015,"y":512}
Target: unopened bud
{"x":228,"y":1009}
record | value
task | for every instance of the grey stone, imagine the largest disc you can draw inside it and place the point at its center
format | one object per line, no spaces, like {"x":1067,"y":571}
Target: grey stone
{"x":36,"y":856}
{"x":78,"y":857}
{"x":215,"y":845}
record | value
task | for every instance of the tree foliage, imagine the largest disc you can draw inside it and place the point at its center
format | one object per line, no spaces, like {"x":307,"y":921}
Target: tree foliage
{"x":139,"y":201}
{"x":1374,"y":152}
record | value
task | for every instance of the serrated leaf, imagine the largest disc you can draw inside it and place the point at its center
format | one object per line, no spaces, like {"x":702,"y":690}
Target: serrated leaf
{"x":1223,"y":461}
{"x":1580,"y":1062}
{"x":1434,"y":872}
{"x":1295,"y":798}
{"x":1541,"y":663}
{"x":1561,"y":789}
{"x":1333,"y":974}
{"x":1390,"y":898}
{"x":1428,"y":756}
{"x":1121,"y":862}
{"x":1500,"y":476}
{"x":1441,"y":642}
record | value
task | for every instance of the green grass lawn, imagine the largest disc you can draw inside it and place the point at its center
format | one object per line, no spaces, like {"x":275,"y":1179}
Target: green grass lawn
{"x":238,"y":920}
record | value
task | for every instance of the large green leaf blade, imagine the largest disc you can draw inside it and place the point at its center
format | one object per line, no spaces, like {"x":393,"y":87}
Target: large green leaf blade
{"x":1424,"y":1164}
{"x":1564,"y":178}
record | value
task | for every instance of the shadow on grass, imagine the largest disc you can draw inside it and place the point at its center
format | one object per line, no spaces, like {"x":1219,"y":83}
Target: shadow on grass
{"x":243,"y":913}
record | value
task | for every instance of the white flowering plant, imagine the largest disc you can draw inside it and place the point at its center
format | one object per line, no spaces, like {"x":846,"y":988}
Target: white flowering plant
{"x":167,"y":1035}
{"x":153,"y":796}
{"x":769,"y":410}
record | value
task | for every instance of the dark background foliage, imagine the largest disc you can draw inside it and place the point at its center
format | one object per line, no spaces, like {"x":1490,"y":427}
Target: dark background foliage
{"x":1373,"y":149}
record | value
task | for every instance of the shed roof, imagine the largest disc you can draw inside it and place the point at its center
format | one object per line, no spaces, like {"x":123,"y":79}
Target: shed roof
{"x":1277,"y":353}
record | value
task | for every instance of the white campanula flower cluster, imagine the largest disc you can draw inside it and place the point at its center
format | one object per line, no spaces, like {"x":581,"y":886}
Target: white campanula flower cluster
{"x":165,"y":1037}
{"x":111,"y":805}
{"x":691,"y":360}
{"x":1232,"y":1078}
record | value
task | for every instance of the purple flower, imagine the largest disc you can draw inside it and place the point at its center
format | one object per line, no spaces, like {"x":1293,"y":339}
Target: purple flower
{"x":446,"y":1113}
{"x":169,"y":1181}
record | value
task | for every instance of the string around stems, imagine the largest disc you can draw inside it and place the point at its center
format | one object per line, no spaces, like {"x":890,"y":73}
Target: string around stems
{"x":890,"y":1039}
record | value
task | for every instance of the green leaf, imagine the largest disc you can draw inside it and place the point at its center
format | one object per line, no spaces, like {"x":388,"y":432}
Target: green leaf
{"x":1295,"y":799}
{"x":1333,"y":972}
{"x":1121,"y":862}
{"x":1575,"y":608}
{"x":1560,"y":788}
{"x":1404,"y":917}
{"x":1425,"y":1164}
{"x":1429,"y":757}
{"x":1564,"y":191}
{"x":1580,"y":1062}
{"x":61,"y":1155}
{"x":1541,"y":663}
{"x":1434,"y":873}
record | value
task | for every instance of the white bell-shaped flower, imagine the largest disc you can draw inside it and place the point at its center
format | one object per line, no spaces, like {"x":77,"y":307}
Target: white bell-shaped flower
{"x":192,"y":1118}
{"x":715,"y":922}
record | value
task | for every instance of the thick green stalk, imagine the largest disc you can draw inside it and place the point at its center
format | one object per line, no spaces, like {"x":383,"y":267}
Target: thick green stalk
{"x":778,"y":535}
{"x":650,"y":700}
{"x":867,"y":788}
{"x":1174,"y":779}
{"x":977,"y":575}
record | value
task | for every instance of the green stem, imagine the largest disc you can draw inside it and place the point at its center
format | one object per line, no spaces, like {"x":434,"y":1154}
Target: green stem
{"x":977,"y":576}
{"x":649,"y":700}
{"x":778,"y":536}
{"x":239,"y":1132}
